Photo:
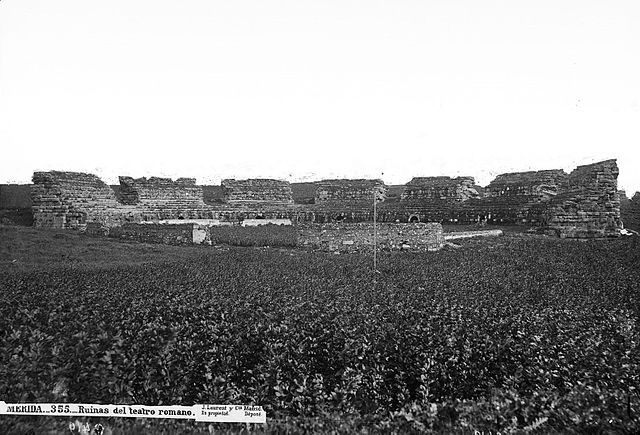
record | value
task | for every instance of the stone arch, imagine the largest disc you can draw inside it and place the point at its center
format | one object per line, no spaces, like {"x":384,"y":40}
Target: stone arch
{"x":414,"y":219}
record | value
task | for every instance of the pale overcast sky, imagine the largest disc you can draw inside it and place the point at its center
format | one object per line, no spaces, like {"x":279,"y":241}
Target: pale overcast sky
{"x":303,"y":90}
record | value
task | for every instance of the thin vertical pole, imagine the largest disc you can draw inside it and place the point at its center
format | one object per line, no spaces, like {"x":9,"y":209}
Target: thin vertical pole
{"x":375,"y":235}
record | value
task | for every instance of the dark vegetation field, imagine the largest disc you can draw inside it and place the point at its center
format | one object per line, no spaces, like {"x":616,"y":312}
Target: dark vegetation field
{"x":263,"y":235}
{"x":517,"y":334}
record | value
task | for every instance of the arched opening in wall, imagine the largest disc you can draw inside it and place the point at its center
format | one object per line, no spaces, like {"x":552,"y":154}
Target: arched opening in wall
{"x":340,"y":218}
{"x":414,"y":219}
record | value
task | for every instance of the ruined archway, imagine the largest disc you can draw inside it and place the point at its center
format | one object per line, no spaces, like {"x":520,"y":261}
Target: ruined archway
{"x":414,"y":219}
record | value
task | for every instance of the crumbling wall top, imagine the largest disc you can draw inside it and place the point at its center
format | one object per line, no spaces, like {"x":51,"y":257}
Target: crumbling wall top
{"x":159,"y":190}
{"x":59,"y":177}
{"x":603,"y":174}
{"x":544,"y":183}
{"x":157,"y":182}
{"x":440,"y":181}
{"x":440,"y":188}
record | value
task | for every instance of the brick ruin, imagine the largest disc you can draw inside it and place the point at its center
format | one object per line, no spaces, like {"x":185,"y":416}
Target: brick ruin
{"x":582,"y":204}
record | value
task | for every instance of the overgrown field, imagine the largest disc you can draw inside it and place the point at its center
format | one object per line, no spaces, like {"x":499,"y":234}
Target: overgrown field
{"x":263,"y":235}
{"x":508,"y":334}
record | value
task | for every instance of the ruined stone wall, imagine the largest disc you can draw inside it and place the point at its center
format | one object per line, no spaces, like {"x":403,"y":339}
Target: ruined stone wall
{"x":342,"y":201}
{"x":430,"y":199}
{"x":358,"y":237}
{"x":582,"y":204}
{"x":345,"y":192}
{"x":630,"y":212}
{"x":160,"y":190}
{"x":439,"y":189}
{"x":71,"y":199}
{"x":257,"y":190}
{"x":163,"y":198}
{"x":168,"y":234}
{"x":514,"y":198}
{"x":507,"y":200}
{"x":588,"y":205}
{"x":537,"y":184}
{"x":510,"y":198}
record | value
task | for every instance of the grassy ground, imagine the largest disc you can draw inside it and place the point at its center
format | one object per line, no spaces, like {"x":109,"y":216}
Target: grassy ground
{"x":494,"y":336}
{"x":23,"y":248}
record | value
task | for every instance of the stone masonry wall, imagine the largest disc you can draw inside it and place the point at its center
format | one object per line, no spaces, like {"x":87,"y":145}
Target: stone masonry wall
{"x":359,"y":237}
{"x":168,"y":234}
{"x":163,"y":198}
{"x":71,"y":199}
{"x":257,"y":190}
{"x":439,"y":188}
{"x":583,"y":204}
{"x":538,"y":184}
{"x":430,"y":199}
{"x":342,"y":201}
{"x":507,"y":200}
{"x":588,"y":205}
{"x":510,"y":197}
{"x":342,"y":192}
